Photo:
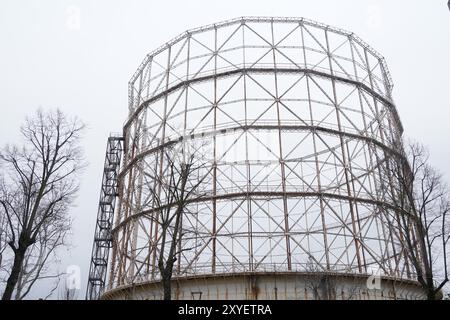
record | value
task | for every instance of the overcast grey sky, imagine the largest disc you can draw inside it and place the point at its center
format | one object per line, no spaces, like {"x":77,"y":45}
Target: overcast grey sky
{"x":49,"y":58}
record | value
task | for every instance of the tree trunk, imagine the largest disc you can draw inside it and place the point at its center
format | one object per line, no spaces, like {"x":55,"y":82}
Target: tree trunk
{"x":431,"y":290}
{"x":431,"y":295}
{"x":19,"y":256}
{"x":167,"y":287}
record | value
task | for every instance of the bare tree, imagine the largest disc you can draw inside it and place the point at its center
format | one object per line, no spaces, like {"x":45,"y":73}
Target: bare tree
{"x":38,"y":184}
{"x":324,"y":286}
{"x":176,"y":182}
{"x":319,"y":282}
{"x":422,"y":203}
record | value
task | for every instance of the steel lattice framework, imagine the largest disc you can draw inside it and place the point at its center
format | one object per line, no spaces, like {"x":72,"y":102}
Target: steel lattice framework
{"x":299,"y":121}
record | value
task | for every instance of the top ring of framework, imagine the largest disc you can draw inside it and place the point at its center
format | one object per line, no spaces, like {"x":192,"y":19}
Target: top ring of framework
{"x":172,"y":64}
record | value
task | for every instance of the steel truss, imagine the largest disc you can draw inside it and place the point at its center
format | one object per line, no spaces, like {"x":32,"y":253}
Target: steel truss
{"x":300,"y":125}
{"x":102,"y":237}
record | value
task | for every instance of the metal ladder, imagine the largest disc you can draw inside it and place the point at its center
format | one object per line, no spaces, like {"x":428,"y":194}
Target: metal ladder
{"x":105,"y":216}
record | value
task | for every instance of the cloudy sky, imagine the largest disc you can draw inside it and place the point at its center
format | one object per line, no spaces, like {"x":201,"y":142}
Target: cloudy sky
{"x":79,"y":56}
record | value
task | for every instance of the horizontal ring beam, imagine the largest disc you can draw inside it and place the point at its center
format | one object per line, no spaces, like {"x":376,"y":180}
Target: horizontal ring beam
{"x":219,"y":75}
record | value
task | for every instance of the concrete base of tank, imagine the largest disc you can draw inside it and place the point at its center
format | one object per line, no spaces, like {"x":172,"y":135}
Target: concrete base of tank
{"x":273,"y":286}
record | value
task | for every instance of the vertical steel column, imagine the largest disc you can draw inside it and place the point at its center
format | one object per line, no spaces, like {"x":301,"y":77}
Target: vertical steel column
{"x":316,"y":158}
{"x":126,"y":211}
{"x":161,"y":162}
{"x":247,"y":164}
{"x":214,"y":164}
{"x":365,"y":132}
{"x":186,"y":90}
{"x":281,"y":158}
{"x":356,"y":233}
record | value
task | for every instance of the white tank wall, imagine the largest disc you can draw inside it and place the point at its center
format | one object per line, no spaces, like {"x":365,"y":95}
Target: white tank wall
{"x":292,"y":286}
